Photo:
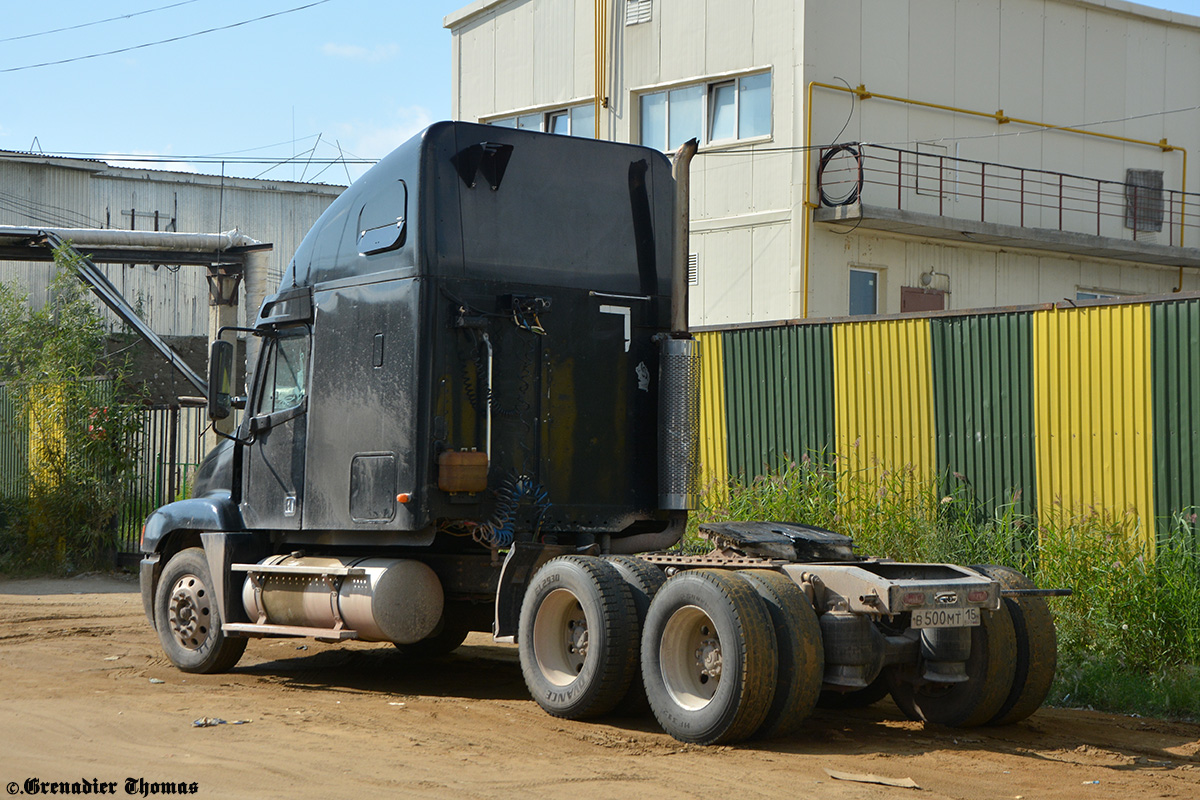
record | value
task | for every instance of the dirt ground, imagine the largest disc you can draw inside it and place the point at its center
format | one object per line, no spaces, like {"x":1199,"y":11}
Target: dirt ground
{"x":85,"y":693}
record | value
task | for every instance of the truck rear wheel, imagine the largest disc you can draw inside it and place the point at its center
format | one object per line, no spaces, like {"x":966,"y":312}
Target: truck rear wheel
{"x":801,"y":655}
{"x":188,"y":617}
{"x":990,"y":669}
{"x":1037,"y":646}
{"x":709,"y":657}
{"x":576,"y":637}
{"x":644,"y":581}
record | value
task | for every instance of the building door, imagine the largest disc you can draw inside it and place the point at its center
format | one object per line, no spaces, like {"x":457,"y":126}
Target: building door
{"x":273,"y":492}
{"x":915,"y":298}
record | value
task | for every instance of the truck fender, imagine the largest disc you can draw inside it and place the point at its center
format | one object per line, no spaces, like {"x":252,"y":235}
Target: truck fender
{"x":213,"y":512}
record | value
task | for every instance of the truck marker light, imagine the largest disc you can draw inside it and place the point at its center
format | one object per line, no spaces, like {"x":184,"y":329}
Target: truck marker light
{"x":403,"y":497}
{"x":914,"y":599}
{"x":977,"y":596}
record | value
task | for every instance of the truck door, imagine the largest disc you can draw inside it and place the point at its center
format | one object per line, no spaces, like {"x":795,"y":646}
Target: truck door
{"x":273,"y":475}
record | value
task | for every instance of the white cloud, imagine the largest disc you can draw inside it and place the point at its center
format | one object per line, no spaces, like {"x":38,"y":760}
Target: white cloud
{"x":354,"y":52}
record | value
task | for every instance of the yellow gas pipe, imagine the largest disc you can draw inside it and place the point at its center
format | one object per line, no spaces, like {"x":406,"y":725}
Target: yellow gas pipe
{"x":601,"y":60}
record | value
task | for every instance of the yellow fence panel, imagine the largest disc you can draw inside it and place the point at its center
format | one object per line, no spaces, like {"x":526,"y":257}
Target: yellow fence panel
{"x":714,"y":453}
{"x":883,"y":399}
{"x":1092,"y":389}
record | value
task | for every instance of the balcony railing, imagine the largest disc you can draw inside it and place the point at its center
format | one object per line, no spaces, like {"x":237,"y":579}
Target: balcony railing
{"x":958,"y":188}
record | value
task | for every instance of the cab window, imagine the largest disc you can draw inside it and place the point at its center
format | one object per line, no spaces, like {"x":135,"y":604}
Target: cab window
{"x":286,"y":375}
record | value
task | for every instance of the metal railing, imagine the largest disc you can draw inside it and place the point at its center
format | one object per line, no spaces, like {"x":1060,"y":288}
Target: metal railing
{"x":958,"y":188}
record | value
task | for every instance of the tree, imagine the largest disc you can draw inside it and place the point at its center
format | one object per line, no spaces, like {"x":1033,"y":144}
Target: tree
{"x":66,"y":396}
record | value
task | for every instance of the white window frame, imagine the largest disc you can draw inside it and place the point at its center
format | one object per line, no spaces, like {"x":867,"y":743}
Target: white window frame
{"x":878,"y":272}
{"x":706,"y":109}
{"x":511,"y":120}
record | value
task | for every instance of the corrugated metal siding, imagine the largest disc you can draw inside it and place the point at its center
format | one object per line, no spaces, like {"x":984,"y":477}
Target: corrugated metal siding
{"x":883,"y":397}
{"x":778,"y":396}
{"x":173,"y":301}
{"x":1092,"y":391}
{"x":714,"y":437}
{"x":983,"y":407}
{"x":14,"y":448}
{"x":1176,"y":375}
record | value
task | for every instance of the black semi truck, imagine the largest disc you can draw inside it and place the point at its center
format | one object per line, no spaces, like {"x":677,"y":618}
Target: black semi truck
{"x":476,"y":405}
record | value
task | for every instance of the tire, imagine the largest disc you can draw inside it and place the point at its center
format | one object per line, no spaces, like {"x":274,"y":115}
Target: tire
{"x":1037,"y":646}
{"x":444,"y":641}
{"x":801,"y":665}
{"x":860,"y":698}
{"x":576,"y":637}
{"x":188,"y":618}
{"x":709,"y":657}
{"x":990,"y":669}
{"x":644,"y":581}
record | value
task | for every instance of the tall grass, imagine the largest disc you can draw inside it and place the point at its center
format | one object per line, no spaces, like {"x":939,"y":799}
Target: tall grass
{"x":1129,"y":634}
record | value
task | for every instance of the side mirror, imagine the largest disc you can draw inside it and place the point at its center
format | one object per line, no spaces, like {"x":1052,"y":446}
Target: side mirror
{"x":220,"y":380}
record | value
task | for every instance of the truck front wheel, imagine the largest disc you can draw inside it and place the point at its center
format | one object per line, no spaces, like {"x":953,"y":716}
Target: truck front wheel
{"x":189,"y":618}
{"x":577,"y":637}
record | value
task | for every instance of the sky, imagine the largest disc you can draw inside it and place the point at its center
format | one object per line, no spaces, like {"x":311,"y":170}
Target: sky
{"x":284,"y":97}
{"x":364,"y":75}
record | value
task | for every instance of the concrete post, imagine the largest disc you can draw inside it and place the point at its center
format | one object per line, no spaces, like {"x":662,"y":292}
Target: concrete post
{"x":258,"y":286}
{"x":223,"y":283}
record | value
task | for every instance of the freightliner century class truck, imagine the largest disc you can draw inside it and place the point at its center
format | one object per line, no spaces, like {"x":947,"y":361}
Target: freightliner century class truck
{"x":475,"y":406}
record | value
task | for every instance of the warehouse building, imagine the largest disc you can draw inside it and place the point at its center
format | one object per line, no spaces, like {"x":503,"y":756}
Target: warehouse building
{"x":53,"y":192}
{"x":874,"y":156}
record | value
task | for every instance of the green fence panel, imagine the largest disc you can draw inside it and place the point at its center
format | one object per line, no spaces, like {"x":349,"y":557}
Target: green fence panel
{"x":1175,"y":365}
{"x":983,"y":408}
{"x":778,"y":395}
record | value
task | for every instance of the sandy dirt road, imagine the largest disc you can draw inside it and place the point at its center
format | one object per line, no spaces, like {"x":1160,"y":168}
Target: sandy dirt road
{"x":85,"y":693}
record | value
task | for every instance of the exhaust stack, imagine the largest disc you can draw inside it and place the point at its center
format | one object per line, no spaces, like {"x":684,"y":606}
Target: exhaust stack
{"x":679,"y":368}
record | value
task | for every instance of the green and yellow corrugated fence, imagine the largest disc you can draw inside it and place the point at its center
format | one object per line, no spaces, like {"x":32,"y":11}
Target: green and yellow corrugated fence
{"x":1054,"y":411}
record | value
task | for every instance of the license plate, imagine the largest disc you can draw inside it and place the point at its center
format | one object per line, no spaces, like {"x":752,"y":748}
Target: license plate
{"x":945,"y":617}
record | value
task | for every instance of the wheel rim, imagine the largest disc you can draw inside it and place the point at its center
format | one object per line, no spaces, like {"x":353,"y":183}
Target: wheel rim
{"x":189,"y":612}
{"x":690,"y":657}
{"x":560,"y":637}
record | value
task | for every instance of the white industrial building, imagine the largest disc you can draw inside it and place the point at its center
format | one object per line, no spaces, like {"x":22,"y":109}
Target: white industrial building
{"x":54,"y":192}
{"x":999,"y":152}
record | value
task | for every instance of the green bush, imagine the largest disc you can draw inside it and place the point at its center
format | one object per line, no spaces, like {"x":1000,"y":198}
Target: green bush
{"x":80,"y":434}
{"x":1129,"y":634}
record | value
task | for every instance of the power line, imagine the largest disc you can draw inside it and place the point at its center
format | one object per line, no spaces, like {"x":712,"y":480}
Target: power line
{"x":97,"y":22}
{"x":164,"y":41}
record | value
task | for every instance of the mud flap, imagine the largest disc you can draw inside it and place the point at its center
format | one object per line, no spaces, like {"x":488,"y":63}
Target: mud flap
{"x":222,"y":550}
{"x":522,"y":561}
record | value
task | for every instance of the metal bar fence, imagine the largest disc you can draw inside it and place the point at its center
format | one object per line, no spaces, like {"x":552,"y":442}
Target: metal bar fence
{"x":169,"y":445}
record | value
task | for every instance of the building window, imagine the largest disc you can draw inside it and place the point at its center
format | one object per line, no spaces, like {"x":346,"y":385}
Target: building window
{"x":1097,"y":294}
{"x":637,"y":11}
{"x":573,"y":121}
{"x":864,"y":292}
{"x":722,"y":111}
{"x":1144,"y":199}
